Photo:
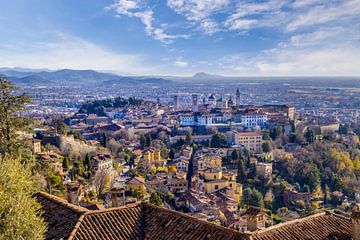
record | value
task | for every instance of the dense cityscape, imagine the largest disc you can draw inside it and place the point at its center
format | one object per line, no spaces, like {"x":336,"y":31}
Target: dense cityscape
{"x":180,"y":120}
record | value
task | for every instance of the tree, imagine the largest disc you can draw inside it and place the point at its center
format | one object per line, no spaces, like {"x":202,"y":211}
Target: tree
{"x":148,"y":140}
{"x":266,"y":135}
{"x":142,"y":142}
{"x":188,"y":139}
{"x":309,"y":136}
{"x":241,"y":175}
{"x":344,"y":129}
{"x":10,"y":120}
{"x":234,"y":155}
{"x":266,"y":147}
{"x":19,"y":210}
{"x":218,"y":140}
{"x":156,"y":199}
{"x":103,"y":140}
{"x":87,"y":162}
{"x":101,"y":179}
{"x":65,"y":163}
{"x":257,"y":198}
{"x":61,"y":128}
{"x":275,"y":133}
{"x":246,"y":198}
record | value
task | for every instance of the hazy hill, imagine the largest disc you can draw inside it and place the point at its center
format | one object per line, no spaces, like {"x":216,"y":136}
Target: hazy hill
{"x":206,"y":75}
{"x":76,"y":77}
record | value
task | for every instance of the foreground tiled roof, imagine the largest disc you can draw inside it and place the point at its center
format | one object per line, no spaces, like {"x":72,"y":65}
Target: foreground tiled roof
{"x":139,"y":221}
{"x":321,"y":226}
{"x":60,"y":216}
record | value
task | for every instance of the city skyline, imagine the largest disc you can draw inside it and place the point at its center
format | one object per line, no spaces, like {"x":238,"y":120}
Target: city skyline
{"x":182,"y":37}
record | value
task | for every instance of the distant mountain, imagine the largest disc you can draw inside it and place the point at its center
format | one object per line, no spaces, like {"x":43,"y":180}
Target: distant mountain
{"x":137,"y":80}
{"x":31,"y":79}
{"x":75,"y":76}
{"x":206,"y":75}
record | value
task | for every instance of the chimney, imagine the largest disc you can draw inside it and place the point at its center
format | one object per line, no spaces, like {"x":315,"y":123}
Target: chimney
{"x":355,"y":220}
{"x":73,"y":192}
{"x":117,"y":196}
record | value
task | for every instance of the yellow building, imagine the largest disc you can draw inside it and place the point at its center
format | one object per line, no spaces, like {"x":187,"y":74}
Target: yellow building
{"x":212,"y":180}
{"x":36,"y":146}
{"x":135,"y":183}
{"x":153,"y":156}
{"x":209,"y":161}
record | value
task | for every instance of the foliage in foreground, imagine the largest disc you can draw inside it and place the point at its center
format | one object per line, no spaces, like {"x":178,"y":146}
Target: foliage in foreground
{"x":19,"y":210}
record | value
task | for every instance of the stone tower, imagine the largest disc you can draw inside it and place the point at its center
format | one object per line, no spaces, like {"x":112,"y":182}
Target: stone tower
{"x":176,"y":102}
{"x":195,"y":105}
{"x":237,"y":97}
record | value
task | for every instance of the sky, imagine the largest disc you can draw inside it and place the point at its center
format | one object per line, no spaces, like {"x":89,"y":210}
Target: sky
{"x":182,"y":37}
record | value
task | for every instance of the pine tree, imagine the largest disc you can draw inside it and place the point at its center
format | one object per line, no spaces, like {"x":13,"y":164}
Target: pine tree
{"x":65,"y":163}
{"x":241,"y":175}
{"x":10,"y":121}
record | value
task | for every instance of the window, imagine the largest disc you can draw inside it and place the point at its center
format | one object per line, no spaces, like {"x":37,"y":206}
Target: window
{"x":214,"y":176}
{"x":216,"y":187}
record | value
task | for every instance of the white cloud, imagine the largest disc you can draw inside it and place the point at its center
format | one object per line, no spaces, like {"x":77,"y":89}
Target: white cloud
{"x":317,"y":37}
{"x":323,"y":14}
{"x":306,"y":3}
{"x":66,"y":51}
{"x":197,"y":10}
{"x":132,"y":9}
{"x":241,"y":24}
{"x":209,"y":26}
{"x":181,"y":64}
{"x":253,"y":15}
{"x":325,"y":51}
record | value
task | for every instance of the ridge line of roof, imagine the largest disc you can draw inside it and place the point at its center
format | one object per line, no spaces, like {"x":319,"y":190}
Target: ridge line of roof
{"x":76,"y":227}
{"x":194,"y":219}
{"x":63,"y":202}
{"x":291,"y":222}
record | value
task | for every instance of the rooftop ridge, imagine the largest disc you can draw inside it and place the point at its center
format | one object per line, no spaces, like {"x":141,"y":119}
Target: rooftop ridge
{"x":63,"y":202}
{"x":290,"y":222}
{"x":76,"y":227}
{"x":293,"y":222}
{"x":132,"y":205}
{"x":173,"y":212}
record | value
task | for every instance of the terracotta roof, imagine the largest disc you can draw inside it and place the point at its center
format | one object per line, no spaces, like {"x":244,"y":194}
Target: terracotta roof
{"x":324,"y":226}
{"x":60,"y":216}
{"x":138,"y":221}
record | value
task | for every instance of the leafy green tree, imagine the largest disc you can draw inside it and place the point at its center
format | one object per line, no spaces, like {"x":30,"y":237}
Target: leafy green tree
{"x":61,"y":128}
{"x":266,"y":147}
{"x":156,"y":199}
{"x":241,"y":174}
{"x":246,"y":197}
{"x":266,"y":135}
{"x":164,"y":152}
{"x":218,"y":140}
{"x":257,"y":198}
{"x":19,"y":210}
{"x":10,"y":120}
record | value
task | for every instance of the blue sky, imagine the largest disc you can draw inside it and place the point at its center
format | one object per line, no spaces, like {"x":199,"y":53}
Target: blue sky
{"x":182,"y":37}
